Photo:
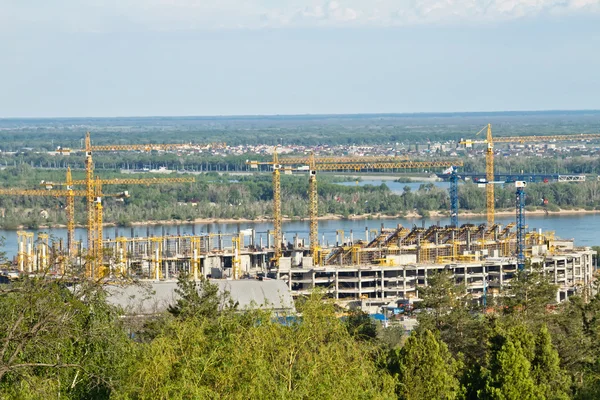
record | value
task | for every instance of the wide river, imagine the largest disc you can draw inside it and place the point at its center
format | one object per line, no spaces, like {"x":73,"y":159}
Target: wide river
{"x":581,"y":227}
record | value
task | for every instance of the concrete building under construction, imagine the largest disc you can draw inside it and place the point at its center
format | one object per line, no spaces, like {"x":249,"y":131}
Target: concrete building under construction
{"x":385,"y":265}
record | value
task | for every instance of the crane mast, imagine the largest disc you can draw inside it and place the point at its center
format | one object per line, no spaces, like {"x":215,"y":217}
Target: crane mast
{"x":70,"y":210}
{"x":489,"y":157}
{"x":520,"y":207}
{"x":276,"y":209}
{"x":314,"y":164}
{"x":94,"y":206}
{"x":89,"y":188}
{"x":313,"y":210}
{"x":97,"y":228}
{"x":489,"y":176}
{"x":98,"y":253}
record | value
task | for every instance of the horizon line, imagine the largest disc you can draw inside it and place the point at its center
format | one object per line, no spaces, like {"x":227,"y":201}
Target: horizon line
{"x":419,"y":113}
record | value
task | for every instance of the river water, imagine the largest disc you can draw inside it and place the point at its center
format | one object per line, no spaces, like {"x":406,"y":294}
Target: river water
{"x":581,"y":227}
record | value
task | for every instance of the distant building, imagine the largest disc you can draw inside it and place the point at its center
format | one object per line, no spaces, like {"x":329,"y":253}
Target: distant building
{"x":151,"y":297}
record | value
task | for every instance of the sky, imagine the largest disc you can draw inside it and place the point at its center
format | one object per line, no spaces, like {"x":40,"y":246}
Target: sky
{"x":78,"y":58}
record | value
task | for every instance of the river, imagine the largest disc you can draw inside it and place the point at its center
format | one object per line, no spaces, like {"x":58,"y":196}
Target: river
{"x":581,"y":227}
{"x":396,"y":187}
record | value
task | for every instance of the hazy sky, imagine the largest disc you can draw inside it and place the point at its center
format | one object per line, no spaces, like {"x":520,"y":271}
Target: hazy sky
{"x":226,"y":57}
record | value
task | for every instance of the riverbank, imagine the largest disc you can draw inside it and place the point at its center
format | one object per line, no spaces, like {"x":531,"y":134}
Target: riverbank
{"x":333,"y":217}
{"x":422,"y":178}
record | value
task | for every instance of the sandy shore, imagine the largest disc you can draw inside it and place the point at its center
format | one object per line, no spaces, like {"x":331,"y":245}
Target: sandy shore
{"x":391,"y":177}
{"x":332,"y":217}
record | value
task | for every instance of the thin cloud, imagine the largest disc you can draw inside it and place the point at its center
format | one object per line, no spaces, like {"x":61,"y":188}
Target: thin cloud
{"x":230,"y":14}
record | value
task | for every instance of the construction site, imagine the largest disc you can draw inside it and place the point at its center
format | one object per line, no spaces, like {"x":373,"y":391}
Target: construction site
{"x":380,"y":266}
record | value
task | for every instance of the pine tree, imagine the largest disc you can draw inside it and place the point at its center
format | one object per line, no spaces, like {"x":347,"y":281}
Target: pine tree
{"x":552,"y":381}
{"x":425,"y":369}
{"x":509,"y":376}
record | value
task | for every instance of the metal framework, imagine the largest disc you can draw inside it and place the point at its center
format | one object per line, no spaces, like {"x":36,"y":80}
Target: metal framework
{"x":571,"y":178}
{"x":359,"y":165}
{"x":490,"y":198}
{"x":93,"y":192}
{"x":520,"y":207}
{"x":236,"y":262}
{"x":96,"y":199}
{"x":551,"y":138}
{"x":313,"y":164}
{"x":454,"y":205}
{"x":489,"y":158}
{"x":313,"y":210}
{"x":70,"y":210}
{"x":277,"y":239}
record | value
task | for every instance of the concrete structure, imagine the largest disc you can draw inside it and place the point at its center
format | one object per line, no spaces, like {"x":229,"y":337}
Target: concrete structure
{"x":389,"y":264}
{"x":571,"y":272}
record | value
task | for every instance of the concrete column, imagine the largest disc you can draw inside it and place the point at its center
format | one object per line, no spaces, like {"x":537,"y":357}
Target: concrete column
{"x":359,"y":273}
{"x":22,"y":256}
{"x":30,"y":259}
{"x":156,"y":265}
{"x":437,"y":243}
{"x":196,"y":264}
{"x":469,"y":240}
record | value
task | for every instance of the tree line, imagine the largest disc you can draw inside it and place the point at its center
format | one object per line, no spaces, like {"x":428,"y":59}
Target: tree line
{"x":215,"y":197}
{"x":68,"y":342}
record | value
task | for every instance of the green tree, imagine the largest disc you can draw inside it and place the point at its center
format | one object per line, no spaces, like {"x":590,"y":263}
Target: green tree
{"x":360,"y":325}
{"x":551,"y":379}
{"x":250,"y":355}
{"x":439,"y":297}
{"x":509,"y":374}
{"x":447,"y":309}
{"x":199,"y":299}
{"x":425,"y":368}
{"x":58,"y":342}
{"x":529,"y":294}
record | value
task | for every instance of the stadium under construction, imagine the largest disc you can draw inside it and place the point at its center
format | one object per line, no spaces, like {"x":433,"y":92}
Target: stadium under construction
{"x":381,"y":266}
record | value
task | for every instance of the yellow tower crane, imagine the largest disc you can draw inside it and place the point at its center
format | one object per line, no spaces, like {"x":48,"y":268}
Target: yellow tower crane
{"x":97,"y":199}
{"x":89,"y":169}
{"x":489,"y":156}
{"x":276,"y":208}
{"x":277,"y":238}
{"x":313,"y":210}
{"x":70,"y":194}
{"x":314,"y":164}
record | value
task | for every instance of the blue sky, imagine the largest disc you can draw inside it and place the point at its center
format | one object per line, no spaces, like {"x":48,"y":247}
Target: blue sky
{"x":225,"y":57}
